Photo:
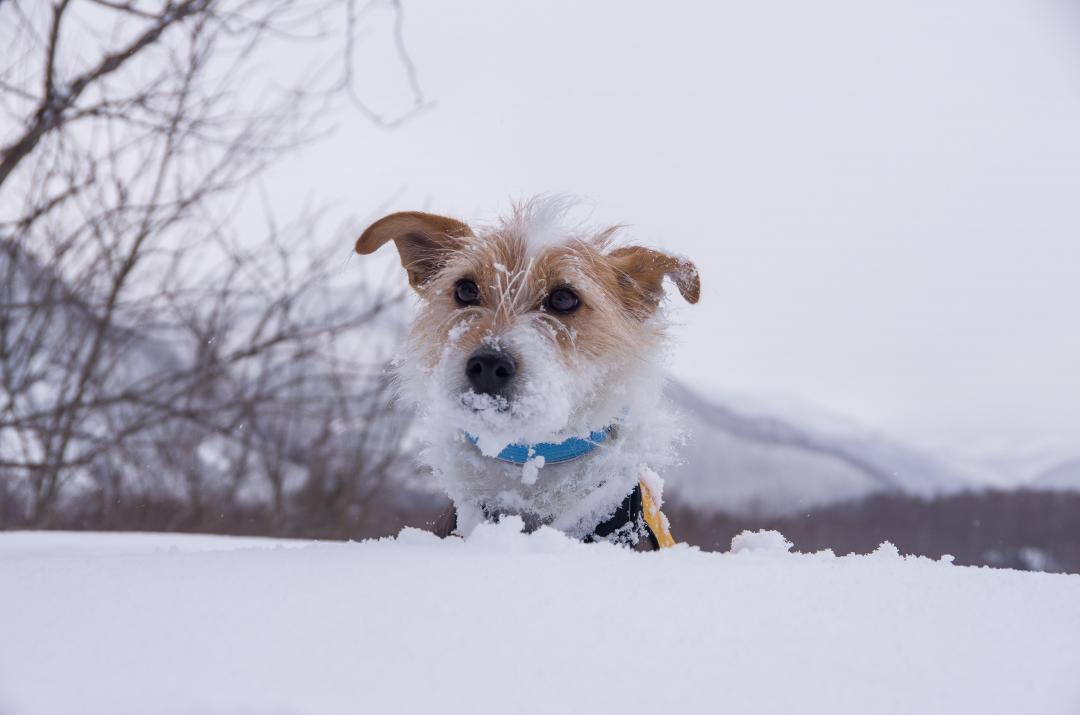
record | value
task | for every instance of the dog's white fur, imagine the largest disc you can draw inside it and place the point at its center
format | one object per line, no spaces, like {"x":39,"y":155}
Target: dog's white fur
{"x":577,"y":373}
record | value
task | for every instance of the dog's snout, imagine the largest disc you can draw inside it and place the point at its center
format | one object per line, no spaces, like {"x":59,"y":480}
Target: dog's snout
{"x":489,"y":371}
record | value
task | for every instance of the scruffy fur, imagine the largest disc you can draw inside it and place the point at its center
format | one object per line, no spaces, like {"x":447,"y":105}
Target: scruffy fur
{"x":590,"y":369}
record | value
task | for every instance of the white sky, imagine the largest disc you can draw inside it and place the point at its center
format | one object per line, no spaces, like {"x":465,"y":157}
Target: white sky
{"x":883,"y":198}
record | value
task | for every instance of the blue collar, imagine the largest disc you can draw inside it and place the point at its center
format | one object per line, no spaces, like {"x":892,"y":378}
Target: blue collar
{"x":551,"y":452}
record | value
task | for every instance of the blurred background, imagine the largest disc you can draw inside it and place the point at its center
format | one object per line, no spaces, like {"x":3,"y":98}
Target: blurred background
{"x":881,"y":198}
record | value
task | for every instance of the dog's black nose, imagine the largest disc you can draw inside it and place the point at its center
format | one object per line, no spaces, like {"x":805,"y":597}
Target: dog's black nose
{"x":490,"y":370}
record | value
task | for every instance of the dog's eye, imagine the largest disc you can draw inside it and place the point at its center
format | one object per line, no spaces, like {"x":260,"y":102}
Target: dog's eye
{"x":466,"y":292}
{"x":562,"y":300}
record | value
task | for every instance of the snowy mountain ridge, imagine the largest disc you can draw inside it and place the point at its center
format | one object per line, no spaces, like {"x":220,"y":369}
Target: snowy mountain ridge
{"x":756,"y":457}
{"x":1065,"y":475}
{"x":743,"y":457}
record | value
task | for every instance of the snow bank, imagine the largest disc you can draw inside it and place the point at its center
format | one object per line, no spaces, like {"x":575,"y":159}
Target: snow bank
{"x":508,"y":622}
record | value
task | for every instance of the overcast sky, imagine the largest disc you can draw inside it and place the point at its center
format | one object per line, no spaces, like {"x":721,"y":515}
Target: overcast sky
{"x":883,"y":198}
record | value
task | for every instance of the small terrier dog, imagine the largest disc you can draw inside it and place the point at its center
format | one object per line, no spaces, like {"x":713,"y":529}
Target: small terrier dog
{"x":534,"y":362}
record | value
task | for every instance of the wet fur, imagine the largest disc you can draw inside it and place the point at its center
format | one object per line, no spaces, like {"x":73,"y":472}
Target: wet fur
{"x":591,"y":368}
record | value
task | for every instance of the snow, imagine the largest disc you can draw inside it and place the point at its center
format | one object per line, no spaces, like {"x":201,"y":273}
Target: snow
{"x":509,"y":622}
{"x":767,"y":541}
{"x":530,"y":471}
{"x":75,"y":543}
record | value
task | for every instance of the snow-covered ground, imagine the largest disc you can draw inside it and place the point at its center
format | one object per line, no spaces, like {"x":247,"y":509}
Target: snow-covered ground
{"x":507,"y":622}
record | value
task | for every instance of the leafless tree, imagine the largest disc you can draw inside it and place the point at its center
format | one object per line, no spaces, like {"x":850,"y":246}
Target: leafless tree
{"x":151,"y":344}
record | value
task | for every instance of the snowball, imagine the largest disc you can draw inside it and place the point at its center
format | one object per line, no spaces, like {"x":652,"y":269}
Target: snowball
{"x":416,"y":537}
{"x":887,"y":550}
{"x":531,"y":469}
{"x":761,"y":541}
{"x":501,"y":533}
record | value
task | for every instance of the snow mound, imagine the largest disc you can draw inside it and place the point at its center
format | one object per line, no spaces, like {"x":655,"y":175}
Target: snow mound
{"x":769,"y":541}
{"x":532,"y":623}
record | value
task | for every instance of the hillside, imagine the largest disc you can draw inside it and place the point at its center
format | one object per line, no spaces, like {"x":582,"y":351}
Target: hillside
{"x":504,"y":622}
{"x":747,"y":458}
{"x":1064,"y":476}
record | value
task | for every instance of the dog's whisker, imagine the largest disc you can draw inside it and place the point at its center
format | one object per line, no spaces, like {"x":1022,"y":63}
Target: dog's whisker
{"x":558,"y":328}
{"x":510,"y":296}
{"x":464,"y":315}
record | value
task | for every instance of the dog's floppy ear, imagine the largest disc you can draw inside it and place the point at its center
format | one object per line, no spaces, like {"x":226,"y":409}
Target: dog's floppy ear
{"x":640,"y":272}
{"x":423,"y":241}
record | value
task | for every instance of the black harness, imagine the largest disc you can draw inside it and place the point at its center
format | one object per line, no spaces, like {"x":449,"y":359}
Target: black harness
{"x":627,"y":525}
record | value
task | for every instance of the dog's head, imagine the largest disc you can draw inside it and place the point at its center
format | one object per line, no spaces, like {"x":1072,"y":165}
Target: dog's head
{"x":527,"y":330}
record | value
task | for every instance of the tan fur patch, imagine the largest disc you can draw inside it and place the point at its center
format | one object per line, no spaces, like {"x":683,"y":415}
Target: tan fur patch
{"x":423,"y":241}
{"x":618,"y":288}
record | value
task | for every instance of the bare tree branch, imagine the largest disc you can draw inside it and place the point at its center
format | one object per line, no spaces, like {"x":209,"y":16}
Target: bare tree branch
{"x":151,"y":343}
{"x":50,"y":113}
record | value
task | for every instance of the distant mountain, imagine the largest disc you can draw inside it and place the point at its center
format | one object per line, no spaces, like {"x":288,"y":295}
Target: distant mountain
{"x":68,"y":320}
{"x":1065,"y":476}
{"x":754,"y":460}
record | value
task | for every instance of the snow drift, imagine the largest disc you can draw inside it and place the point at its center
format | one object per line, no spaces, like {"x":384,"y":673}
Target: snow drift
{"x":508,"y":622}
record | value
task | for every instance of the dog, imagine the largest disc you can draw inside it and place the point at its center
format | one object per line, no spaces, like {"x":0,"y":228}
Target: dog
{"x":534,"y":360}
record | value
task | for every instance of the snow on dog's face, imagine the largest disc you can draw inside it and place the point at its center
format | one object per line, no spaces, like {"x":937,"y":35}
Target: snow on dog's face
{"x":527,"y":331}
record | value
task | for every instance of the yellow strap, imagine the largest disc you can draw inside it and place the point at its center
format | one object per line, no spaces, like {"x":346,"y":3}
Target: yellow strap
{"x":655,"y":518}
